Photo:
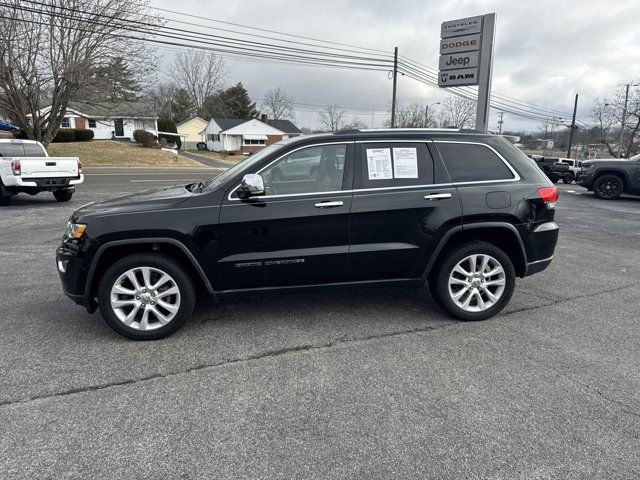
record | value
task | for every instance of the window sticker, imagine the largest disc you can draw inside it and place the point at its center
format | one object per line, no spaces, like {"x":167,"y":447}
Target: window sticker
{"x":379,"y":164}
{"x":405,"y":163}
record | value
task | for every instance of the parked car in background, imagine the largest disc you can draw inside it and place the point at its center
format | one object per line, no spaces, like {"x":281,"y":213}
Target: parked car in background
{"x":574,"y":167}
{"x":551,"y":166}
{"x":26,"y":167}
{"x":610,"y":178}
{"x":461,"y":211}
{"x":6,"y":126}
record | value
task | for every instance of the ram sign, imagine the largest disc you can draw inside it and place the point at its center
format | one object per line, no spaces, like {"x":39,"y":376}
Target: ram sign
{"x":455,"y":78}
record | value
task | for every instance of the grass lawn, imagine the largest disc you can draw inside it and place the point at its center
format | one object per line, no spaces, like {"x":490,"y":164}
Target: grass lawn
{"x":109,"y":153}
{"x":218,"y":156}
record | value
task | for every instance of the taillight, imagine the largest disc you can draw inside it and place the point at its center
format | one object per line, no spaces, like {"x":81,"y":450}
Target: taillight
{"x":15,"y":167}
{"x":549,"y":196}
{"x":79,"y":167}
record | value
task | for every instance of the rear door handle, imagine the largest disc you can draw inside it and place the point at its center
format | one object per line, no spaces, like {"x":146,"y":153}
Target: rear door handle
{"x":437,"y":196}
{"x":329,"y":204}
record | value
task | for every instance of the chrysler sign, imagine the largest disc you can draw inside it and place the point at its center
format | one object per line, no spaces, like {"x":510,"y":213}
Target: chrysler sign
{"x":464,"y":26}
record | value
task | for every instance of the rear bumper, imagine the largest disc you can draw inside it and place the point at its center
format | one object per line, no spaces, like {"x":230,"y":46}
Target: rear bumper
{"x":46,"y":183}
{"x":541,"y":245}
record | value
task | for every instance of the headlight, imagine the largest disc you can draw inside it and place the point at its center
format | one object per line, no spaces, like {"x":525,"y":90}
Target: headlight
{"x":75,"y":230}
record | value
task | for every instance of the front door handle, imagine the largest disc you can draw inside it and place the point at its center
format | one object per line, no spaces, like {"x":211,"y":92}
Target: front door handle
{"x":437,"y":196}
{"x":329,"y":204}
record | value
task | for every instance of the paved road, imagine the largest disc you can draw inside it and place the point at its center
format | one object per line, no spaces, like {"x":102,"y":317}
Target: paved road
{"x":364,"y":384}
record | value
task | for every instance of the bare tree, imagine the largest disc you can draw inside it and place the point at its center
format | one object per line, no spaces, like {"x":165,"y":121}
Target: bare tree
{"x":457,"y":112}
{"x":199,"y":72}
{"x":548,"y":128}
{"x":608,"y":115}
{"x":331,"y":118}
{"x":278,"y":105}
{"x":354,"y":124}
{"x":50,"y":53}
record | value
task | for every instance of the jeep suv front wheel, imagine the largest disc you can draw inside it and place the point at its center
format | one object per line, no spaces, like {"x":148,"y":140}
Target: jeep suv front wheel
{"x":474,"y":281}
{"x":146,"y":296}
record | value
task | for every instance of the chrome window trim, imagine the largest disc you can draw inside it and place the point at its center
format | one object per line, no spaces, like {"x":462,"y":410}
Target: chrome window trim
{"x":516,"y":177}
{"x":376,"y":189}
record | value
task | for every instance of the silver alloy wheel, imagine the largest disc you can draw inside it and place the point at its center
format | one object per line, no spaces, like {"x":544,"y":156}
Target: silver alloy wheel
{"x":477,"y":282}
{"x":145,"y":298}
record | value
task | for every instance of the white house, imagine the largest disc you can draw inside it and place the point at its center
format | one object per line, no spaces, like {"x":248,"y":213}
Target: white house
{"x":110,"y":120}
{"x":246,"y":135}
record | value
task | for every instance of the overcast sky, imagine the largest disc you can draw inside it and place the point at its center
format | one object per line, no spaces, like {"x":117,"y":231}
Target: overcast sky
{"x":545,"y":52}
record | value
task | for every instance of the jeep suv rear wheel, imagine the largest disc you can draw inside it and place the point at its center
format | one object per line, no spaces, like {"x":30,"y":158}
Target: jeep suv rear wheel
{"x":146,"y":296}
{"x":474,"y":281}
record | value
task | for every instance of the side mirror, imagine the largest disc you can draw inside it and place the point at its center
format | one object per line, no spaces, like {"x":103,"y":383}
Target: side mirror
{"x":252,"y":185}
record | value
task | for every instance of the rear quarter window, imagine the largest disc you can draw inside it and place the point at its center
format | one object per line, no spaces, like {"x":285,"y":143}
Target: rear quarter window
{"x":33,"y":150}
{"x":468,"y":162}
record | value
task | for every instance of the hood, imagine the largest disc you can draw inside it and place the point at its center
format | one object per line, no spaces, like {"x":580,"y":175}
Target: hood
{"x":155,"y":199}
{"x":600,"y":161}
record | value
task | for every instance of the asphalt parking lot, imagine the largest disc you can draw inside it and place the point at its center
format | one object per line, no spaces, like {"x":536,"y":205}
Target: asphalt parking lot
{"x":361,"y":384}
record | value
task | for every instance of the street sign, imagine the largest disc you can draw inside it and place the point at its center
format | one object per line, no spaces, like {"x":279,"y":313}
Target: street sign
{"x":466,"y":58}
{"x":464,"y":26}
{"x":455,"y":78}
{"x":459,"y":60}
{"x":466,"y":43}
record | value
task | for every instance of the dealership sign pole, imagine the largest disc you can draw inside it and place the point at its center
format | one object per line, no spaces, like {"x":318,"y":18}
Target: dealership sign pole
{"x":466,"y":58}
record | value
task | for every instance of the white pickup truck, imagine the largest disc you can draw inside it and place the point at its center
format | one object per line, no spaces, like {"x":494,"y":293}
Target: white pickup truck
{"x":25,"y":167}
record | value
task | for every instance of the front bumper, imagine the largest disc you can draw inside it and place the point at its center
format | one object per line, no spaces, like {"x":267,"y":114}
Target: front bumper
{"x":72,"y":274}
{"x":585,"y":180}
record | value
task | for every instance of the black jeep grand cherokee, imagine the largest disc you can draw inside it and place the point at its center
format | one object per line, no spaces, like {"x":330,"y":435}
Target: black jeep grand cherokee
{"x":464,"y":211}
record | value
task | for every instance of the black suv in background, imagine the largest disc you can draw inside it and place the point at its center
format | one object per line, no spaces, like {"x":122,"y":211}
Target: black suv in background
{"x":553,"y":168}
{"x":610,"y":178}
{"x":464,"y":211}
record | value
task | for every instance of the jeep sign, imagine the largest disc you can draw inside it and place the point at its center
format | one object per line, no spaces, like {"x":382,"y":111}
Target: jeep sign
{"x":453,"y":78}
{"x":459,"y":60}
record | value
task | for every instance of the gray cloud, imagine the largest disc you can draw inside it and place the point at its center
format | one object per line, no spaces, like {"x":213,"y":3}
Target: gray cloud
{"x":546,"y":51}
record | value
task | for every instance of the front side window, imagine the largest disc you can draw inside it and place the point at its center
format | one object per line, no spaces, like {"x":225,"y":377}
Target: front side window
{"x":66,"y":123}
{"x":468,"y":162}
{"x":308,"y":170}
{"x":394,"y":164}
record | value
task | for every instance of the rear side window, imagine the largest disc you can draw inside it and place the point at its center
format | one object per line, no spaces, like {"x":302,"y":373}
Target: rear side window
{"x":467,"y":162}
{"x":11,"y":150}
{"x":33,"y":150}
{"x":391,"y":164}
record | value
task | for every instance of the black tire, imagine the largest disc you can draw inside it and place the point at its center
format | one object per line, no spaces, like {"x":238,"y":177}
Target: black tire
{"x":156,"y":261}
{"x":5,"y":196}
{"x":608,"y":187}
{"x":567,"y":178}
{"x":439,"y":279}
{"x":63,"y":195}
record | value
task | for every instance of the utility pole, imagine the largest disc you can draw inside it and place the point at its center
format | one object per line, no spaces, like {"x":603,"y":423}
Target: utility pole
{"x":426,"y":113}
{"x":500,"y":122}
{"x":573,"y":126}
{"x":395,"y":84}
{"x":624,"y":117}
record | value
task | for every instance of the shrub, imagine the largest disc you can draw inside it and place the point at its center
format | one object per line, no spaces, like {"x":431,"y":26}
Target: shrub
{"x":83,"y":135}
{"x":21,"y":134}
{"x":144,"y":138}
{"x":223,"y":152}
{"x":64,"y":135}
{"x":168,"y":125}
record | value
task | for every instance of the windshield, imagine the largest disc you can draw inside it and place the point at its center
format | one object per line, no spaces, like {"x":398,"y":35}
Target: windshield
{"x":242,"y":165}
